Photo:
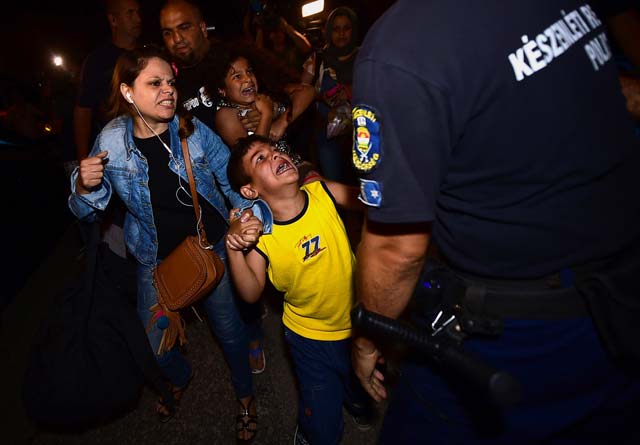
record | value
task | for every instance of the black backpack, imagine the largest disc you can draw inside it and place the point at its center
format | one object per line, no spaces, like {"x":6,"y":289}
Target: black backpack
{"x":91,"y":357}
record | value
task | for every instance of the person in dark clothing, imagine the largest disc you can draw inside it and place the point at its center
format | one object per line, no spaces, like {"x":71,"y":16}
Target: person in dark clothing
{"x":90,"y":112}
{"x":498,"y":132}
{"x":333,"y":87}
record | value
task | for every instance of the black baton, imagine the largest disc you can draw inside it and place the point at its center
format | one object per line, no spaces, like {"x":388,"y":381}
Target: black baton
{"x":501,"y":386}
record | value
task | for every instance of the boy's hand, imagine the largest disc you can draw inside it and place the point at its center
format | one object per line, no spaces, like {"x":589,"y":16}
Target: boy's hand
{"x":244,"y":230}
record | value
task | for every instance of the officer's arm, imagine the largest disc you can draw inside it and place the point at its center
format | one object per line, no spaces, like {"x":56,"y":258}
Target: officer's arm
{"x":390,"y":258}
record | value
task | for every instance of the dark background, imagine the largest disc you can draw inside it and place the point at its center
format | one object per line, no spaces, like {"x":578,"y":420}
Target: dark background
{"x":32,"y":31}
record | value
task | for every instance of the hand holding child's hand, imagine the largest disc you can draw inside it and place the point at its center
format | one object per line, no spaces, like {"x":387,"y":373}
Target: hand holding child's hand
{"x":244,"y":230}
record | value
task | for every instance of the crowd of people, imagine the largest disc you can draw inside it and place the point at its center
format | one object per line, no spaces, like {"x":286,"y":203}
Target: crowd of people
{"x":214,"y":94}
{"x":475,"y":147}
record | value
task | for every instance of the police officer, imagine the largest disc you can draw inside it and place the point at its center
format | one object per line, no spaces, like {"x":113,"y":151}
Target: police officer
{"x":497,"y":131}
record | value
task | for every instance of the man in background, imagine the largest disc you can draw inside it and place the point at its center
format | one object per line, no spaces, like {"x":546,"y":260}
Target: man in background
{"x":90,"y":113}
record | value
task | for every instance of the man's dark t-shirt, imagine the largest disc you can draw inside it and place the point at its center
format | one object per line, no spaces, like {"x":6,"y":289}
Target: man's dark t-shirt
{"x":95,"y":84}
{"x":190,"y":83}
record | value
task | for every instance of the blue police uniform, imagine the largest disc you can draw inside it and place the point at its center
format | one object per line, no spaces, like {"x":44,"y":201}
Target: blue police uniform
{"x":503,"y":125}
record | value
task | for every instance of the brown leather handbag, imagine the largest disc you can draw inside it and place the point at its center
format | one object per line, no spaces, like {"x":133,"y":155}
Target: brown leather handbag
{"x":191,"y":271}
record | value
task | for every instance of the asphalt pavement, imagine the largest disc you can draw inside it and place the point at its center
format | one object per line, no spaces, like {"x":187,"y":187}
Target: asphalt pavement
{"x":207,"y":411}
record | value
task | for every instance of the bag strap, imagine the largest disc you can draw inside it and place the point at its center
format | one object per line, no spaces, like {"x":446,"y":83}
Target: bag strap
{"x":194,"y":193}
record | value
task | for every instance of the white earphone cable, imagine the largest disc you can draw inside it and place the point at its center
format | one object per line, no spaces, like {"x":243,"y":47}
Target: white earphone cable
{"x":180,"y":186}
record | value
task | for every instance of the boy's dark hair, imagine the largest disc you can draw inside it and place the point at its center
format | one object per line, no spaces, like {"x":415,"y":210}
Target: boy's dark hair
{"x":235,"y":170}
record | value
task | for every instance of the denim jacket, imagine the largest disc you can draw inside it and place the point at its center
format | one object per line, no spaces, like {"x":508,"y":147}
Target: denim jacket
{"x":126,"y":174}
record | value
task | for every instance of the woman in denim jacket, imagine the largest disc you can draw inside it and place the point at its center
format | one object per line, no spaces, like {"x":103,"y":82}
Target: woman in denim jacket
{"x":138,"y":157}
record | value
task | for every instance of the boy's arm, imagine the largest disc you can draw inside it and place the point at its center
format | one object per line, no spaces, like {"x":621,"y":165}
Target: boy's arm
{"x":345,"y":195}
{"x":247,"y":273}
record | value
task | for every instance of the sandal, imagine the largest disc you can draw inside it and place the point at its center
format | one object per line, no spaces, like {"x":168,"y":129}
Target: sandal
{"x":164,"y":411}
{"x":254,"y":356}
{"x":246,"y":422}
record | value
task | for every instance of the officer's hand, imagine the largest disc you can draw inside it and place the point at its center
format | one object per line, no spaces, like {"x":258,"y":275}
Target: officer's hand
{"x":365,"y":356}
{"x":91,"y":172}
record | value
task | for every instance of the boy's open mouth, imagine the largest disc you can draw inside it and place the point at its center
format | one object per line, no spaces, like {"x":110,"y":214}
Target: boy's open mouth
{"x":283,"y":167}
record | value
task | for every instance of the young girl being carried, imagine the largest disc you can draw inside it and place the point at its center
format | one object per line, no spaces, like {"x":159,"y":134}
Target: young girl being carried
{"x":234,"y":81}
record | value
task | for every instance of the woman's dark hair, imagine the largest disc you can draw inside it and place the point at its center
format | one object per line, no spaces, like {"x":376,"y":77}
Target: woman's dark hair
{"x":341,"y":59}
{"x":127,"y":69}
{"x":353,"y":18}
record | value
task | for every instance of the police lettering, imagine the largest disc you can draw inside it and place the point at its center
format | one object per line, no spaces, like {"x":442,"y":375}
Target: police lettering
{"x":537,"y":53}
{"x":598,"y":51}
{"x":365,"y":113}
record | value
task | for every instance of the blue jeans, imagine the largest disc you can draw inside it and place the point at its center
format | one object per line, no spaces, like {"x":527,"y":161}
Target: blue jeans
{"x":226,"y":320}
{"x":571,"y":392}
{"x":326,"y":382}
{"x":172,"y":363}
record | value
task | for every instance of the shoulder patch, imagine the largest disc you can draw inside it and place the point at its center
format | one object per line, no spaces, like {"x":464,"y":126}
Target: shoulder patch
{"x":366,"y":139}
{"x":370,"y":192}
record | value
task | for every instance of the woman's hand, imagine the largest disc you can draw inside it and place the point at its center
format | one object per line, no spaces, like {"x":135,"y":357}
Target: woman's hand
{"x":279,"y":126}
{"x":244,"y":230}
{"x":91,"y":172}
{"x":250,"y":120}
{"x":264,"y":104}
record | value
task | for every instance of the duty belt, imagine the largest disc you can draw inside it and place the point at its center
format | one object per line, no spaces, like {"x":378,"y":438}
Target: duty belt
{"x":475,"y":305}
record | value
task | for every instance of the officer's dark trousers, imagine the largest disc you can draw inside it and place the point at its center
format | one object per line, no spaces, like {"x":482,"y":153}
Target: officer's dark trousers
{"x":572,"y":393}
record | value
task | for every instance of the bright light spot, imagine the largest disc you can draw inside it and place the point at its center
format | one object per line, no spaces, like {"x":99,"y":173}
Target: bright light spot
{"x":57,"y":60}
{"x":312,"y":8}
{"x":48,"y":128}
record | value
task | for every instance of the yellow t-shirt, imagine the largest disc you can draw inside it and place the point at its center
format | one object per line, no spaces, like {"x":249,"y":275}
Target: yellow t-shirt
{"x":309,"y":259}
